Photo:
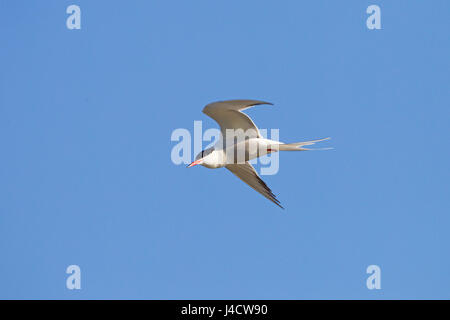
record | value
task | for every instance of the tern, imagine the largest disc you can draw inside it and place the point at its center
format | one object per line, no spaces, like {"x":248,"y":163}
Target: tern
{"x":226,"y":151}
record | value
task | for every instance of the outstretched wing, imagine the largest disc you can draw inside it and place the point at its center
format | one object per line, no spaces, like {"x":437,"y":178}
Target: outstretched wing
{"x":247,"y":173}
{"x":229,"y":116}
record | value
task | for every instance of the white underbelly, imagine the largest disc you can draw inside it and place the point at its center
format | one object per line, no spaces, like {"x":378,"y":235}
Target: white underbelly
{"x":250,"y":149}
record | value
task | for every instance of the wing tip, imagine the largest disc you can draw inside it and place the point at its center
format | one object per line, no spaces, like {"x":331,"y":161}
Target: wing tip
{"x":250,"y":102}
{"x":264,"y":102}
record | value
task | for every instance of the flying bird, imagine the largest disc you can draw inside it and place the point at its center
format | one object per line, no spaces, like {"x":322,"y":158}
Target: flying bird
{"x":240,"y":142}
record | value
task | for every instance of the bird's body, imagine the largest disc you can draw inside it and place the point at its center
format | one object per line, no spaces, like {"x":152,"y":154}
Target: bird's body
{"x":249,"y":149}
{"x":241,"y":142}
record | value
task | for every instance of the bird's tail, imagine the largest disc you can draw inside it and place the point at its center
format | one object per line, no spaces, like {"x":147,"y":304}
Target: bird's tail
{"x":299,"y":146}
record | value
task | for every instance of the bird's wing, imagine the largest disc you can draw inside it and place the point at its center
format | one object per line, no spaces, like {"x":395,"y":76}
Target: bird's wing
{"x":229,"y":116}
{"x":247,"y":173}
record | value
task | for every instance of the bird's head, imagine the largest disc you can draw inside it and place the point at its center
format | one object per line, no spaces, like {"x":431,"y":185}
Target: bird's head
{"x":202,"y":157}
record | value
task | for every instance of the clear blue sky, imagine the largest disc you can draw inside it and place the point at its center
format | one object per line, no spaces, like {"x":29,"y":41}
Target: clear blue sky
{"x":86,"y":176}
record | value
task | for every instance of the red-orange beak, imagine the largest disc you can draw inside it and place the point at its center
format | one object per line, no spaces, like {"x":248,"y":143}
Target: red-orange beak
{"x":196,"y":162}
